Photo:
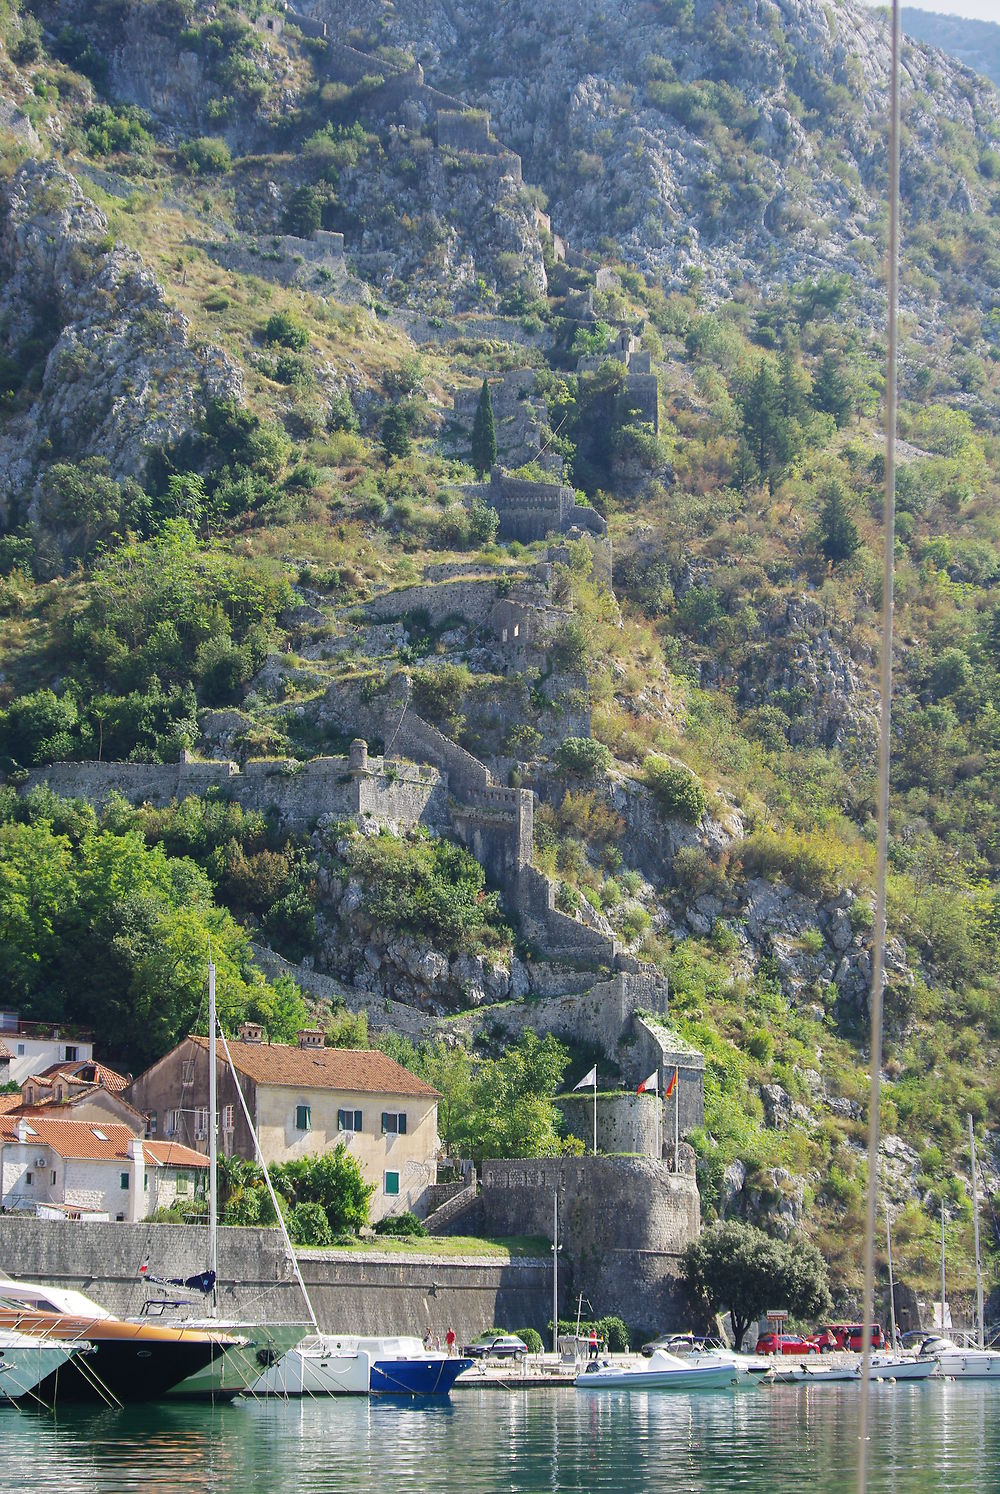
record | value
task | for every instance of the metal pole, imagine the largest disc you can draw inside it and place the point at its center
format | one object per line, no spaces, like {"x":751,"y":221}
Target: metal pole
{"x":975,"y":1223}
{"x":892,"y":1288}
{"x":942,"y":1266}
{"x":595,"y":1110}
{"x":884,"y":743}
{"x":555,"y":1272}
{"x":677,"y":1131}
{"x":213,"y":1146}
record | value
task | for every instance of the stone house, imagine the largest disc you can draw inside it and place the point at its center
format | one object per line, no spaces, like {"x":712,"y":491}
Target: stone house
{"x":303,"y":1101}
{"x":54,"y":1168}
{"x":27,"y":1048}
{"x":87,"y":1091}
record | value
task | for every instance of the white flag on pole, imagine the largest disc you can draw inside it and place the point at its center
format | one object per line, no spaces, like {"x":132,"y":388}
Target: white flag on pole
{"x":652,"y":1083}
{"x":588,"y":1079}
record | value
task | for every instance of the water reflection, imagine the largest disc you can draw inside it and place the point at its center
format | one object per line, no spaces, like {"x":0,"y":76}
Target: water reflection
{"x":924,"y":1438}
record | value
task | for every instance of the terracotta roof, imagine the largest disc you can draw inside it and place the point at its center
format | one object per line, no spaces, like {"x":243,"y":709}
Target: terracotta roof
{"x":4,"y":1050}
{"x":353,"y":1070}
{"x":63,"y":1109}
{"x":9,"y":1102}
{"x":80,"y":1140}
{"x":97,"y":1073}
{"x":172,"y":1154}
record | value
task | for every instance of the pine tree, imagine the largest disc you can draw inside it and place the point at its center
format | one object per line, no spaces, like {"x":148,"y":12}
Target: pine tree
{"x":838,"y":531}
{"x":768,"y":433}
{"x":484,"y":436}
{"x":831,"y":391}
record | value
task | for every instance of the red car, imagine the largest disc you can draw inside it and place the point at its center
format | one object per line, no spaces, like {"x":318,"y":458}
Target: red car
{"x":787,"y":1343}
{"x":849,"y":1336}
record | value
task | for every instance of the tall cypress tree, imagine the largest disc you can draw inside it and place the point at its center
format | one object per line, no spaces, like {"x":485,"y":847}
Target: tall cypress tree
{"x":484,"y":436}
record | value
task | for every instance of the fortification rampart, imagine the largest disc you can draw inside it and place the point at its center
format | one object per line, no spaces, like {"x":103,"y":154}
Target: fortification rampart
{"x":373,"y":1294}
{"x":623,"y":1224}
{"x":626,"y":1122}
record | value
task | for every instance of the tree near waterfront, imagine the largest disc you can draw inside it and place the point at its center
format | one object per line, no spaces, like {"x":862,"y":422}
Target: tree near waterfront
{"x":737,"y":1268}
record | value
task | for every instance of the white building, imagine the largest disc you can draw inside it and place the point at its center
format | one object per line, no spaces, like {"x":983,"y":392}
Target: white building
{"x":28,"y":1048}
{"x":55,"y":1168}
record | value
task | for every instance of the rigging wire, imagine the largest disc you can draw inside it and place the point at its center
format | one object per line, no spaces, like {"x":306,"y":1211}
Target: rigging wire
{"x":885,"y":723}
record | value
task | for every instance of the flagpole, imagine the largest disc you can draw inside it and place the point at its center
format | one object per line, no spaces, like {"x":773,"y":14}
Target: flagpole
{"x":595,"y":1110}
{"x":676,"y":1123}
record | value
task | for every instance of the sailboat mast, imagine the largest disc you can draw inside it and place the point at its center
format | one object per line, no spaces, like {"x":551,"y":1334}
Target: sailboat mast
{"x":943,"y":1324}
{"x":213,"y":1146}
{"x":975,"y":1222}
{"x":892,"y":1288}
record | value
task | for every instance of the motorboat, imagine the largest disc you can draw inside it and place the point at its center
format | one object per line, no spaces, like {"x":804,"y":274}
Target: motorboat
{"x":693,"y":1348}
{"x":661,"y":1371}
{"x":130,"y":1361}
{"x":780,"y":1373}
{"x":342,"y":1364}
{"x":957,"y":1363}
{"x":25,"y":1361}
{"x":899,"y":1367}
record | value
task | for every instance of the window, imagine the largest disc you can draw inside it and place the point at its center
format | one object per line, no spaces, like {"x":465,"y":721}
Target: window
{"x":145,"y":1182}
{"x":392,"y":1182}
{"x":393,"y":1122}
{"x":201,"y":1122}
{"x":182,"y":1184}
{"x":227,"y":1117}
{"x":71,"y":1055}
{"x":124,"y":1179}
{"x":151,"y":1123}
{"x":187,"y":1071}
{"x":53,"y":1177}
{"x":173,"y":1122}
{"x":348,"y":1120}
{"x":101,"y":1135}
{"x":303,"y":1118}
{"x":20,"y":1050}
{"x":29,"y":1178}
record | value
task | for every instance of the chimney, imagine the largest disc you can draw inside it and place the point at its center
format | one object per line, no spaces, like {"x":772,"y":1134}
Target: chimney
{"x":21,"y":1131}
{"x":312,"y":1037}
{"x":251,"y":1032}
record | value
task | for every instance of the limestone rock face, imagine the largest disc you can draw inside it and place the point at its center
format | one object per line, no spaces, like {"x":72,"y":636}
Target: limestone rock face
{"x":601,"y":99}
{"x":120,"y":374}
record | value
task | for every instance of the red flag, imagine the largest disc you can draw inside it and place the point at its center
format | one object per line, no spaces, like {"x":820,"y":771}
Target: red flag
{"x":670,"y":1087}
{"x":652,"y":1083}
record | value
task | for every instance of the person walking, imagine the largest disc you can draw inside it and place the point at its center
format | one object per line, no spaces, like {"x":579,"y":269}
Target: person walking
{"x":593,"y":1343}
{"x":449,"y":1340}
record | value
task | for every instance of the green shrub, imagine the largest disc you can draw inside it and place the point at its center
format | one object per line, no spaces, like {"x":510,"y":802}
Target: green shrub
{"x":584,"y":756}
{"x":531,"y":1338}
{"x":286,"y":331}
{"x":308,"y":1225}
{"x":615,"y":1334}
{"x":206,"y":156}
{"x":677,"y":790}
{"x":405,"y":1225}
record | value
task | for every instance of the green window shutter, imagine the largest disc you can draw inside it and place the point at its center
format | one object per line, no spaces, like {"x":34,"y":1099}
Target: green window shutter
{"x":357,"y":1120}
{"x":124,"y":1178}
{"x":401,"y":1123}
{"x":303,"y":1118}
{"x":392,"y":1182}
{"x":385,"y":1122}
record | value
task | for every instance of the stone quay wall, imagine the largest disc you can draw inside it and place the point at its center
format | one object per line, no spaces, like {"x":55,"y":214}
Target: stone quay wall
{"x":351,"y":1293}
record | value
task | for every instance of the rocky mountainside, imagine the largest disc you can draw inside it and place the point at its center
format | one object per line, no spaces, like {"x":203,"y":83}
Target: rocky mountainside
{"x":618,"y":692}
{"x":747,"y":139}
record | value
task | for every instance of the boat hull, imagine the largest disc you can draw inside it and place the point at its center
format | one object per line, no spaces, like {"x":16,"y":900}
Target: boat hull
{"x":974,"y":1365}
{"x":24,"y":1367}
{"x":415,"y":1376}
{"x":697,"y":1377}
{"x":265,"y":1345}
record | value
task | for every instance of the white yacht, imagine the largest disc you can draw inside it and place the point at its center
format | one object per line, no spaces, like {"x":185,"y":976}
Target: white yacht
{"x":344,"y":1364}
{"x":957,"y":1363}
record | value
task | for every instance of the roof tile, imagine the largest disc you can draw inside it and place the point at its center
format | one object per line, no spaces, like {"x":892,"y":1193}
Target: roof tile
{"x":353,"y":1070}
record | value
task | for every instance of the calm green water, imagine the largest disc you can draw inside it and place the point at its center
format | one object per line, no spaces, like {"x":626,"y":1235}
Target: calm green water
{"x":930,"y":1437}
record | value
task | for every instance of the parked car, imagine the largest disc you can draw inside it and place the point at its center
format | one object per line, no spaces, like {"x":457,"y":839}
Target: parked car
{"x":496,"y":1346}
{"x":849,"y":1336}
{"x":787,"y":1343}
